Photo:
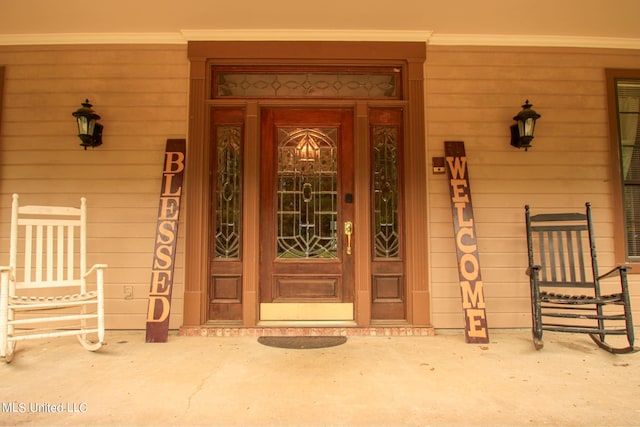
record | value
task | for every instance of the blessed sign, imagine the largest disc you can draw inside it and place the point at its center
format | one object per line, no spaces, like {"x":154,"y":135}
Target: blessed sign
{"x":164,"y":253}
{"x":464,"y":228}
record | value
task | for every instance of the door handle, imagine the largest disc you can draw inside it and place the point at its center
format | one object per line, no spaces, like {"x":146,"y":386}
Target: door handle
{"x":348,"y":231}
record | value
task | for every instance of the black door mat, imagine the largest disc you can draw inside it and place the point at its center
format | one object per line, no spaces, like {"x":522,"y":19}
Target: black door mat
{"x":302,"y":342}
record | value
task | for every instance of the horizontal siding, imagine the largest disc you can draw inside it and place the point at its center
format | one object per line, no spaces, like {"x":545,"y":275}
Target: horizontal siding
{"x":141,"y":93}
{"x":472,"y":93}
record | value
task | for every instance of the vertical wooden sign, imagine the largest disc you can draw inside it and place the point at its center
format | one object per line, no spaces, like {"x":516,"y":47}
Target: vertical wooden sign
{"x":473,"y":304}
{"x":164,"y":253}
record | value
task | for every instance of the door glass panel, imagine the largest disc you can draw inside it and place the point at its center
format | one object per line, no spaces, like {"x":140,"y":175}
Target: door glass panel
{"x":385,"y":192}
{"x":228,"y":191}
{"x":307,"y":193}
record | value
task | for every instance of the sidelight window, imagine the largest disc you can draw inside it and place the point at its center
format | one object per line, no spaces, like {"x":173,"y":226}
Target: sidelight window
{"x":385,"y":191}
{"x":228,"y":191}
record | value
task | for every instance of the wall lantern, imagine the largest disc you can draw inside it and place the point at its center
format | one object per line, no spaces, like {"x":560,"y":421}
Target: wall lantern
{"x":522,"y":131}
{"x":89,"y":131}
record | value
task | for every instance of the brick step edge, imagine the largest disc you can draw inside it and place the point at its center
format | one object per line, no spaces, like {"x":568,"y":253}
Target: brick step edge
{"x":207,"y":331}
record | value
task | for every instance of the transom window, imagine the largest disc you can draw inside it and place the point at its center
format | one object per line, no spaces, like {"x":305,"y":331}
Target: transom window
{"x":317,"y":82}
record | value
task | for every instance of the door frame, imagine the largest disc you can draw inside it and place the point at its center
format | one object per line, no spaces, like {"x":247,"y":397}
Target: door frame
{"x":202,"y":55}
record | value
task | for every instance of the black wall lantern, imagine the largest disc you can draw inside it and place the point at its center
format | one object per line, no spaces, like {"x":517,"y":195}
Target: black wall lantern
{"x":89,"y":131}
{"x":522,"y":131}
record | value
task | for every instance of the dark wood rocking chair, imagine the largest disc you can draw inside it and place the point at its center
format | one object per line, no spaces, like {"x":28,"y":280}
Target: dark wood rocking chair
{"x":566,"y":286}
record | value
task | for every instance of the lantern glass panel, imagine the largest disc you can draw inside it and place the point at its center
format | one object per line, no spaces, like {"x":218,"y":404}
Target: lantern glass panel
{"x":83,"y":125}
{"x":529,"y":124}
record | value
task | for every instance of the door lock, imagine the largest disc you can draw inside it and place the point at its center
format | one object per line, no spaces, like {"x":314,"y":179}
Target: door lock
{"x":348,"y":231}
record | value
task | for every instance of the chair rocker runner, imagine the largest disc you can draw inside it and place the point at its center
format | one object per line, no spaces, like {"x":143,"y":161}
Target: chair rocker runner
{"x":44,"y":288}
{"x":566,"y":288}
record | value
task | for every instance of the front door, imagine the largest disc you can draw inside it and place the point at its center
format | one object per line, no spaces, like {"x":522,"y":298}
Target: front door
{"x":306,"y":214}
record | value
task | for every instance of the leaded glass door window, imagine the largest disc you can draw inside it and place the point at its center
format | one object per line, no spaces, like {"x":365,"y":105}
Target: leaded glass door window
{"x":307,"y":193}
{"x":385,"y":192}
{"x":228,"y":181}
{"x":314,"y":82}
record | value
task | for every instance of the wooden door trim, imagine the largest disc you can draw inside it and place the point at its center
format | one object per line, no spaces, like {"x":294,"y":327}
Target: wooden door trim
{"x":201,"y":54}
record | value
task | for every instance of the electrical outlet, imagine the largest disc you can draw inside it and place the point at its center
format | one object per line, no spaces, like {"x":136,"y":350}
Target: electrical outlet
{"x":128,"y":292}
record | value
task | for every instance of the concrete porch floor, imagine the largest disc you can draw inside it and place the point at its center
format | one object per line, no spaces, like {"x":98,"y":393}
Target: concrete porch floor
{"x":369,"y":381}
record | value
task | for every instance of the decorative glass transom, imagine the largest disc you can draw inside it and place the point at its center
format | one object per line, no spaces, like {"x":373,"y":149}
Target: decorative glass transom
{"x":382,"y":83}
{"x":385,"y":192}
{"x":307,"y":193}
{"x":228,"y":191}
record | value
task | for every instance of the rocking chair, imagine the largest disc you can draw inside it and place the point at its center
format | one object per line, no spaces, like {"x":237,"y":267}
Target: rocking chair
{"x":45,"y":284}
{"x":566,"y":286}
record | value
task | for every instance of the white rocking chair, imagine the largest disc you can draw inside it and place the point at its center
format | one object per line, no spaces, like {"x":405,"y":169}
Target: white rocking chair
{"x":50,"y":274}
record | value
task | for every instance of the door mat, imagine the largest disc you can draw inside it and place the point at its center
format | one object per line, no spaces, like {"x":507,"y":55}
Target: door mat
{"x":302,"y":342}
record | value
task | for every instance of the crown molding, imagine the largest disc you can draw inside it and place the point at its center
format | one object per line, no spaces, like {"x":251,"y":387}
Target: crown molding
{"x":430,"y":37}
{"x":306,"y":35}
{"x":90,"y":38}
{"x":533,"y":41}
{"x":185,"y":36}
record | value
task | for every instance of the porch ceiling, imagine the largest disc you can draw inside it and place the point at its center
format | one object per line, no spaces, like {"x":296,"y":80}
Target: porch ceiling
{"x":567,"y":18}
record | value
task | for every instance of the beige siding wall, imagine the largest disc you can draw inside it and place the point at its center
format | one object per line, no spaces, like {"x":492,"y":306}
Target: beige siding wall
{"x":472,"y":95}
{"x":141,"y":93}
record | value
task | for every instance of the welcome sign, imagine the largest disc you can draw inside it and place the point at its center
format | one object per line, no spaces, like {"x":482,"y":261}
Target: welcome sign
{"x":473,"y":303}
{"x":164,"y":253}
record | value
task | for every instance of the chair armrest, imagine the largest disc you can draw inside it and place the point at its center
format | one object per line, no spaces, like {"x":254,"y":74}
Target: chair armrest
{"x":533,"y":269}
{"x":6,"y":269}
{"x":5,"y":277}
{"x":95,"y":267}
{"x":613,"y":271}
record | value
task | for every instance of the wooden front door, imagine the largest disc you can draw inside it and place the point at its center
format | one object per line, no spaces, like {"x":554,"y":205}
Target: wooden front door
{"x":306,"y":211}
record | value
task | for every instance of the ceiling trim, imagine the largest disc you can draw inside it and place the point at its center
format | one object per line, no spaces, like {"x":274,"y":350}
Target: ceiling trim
{"x":533,"y":40}
{"x":306,"y":35}
{"x":90,"y":38}
{"x":430,"y":37}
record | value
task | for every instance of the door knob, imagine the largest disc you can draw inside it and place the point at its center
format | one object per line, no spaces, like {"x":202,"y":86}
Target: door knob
{"x":348,"y":231}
